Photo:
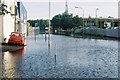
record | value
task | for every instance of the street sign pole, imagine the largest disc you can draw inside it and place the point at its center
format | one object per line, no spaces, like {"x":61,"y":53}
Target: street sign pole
{"x":49,"y":27}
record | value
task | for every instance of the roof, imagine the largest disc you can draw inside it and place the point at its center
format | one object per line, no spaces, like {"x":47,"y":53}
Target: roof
{"x":17,"y":32}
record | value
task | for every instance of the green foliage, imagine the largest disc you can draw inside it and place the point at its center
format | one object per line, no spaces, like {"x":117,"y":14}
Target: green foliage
{"x":42,"y":24}
{"x":59,"y":22}
{"x":77,"y":21}
{"x":66,"y":21}
{"x":56,"y":21}
{"x":32,"y":22}
{"x":3,"y":9}
{"x":89,"y":21}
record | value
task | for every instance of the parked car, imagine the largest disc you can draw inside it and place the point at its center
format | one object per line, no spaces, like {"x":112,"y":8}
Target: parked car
{"x":16,"y":38}
{"x":112,"y":27}
{"x":108,"y":27}
{"x":115,"y":27}
{"x":87,"y":27}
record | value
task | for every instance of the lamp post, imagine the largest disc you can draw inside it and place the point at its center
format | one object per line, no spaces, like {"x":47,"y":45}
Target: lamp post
{"x":49,"y":27}
{"x":101,"y":22}
{"x":112,"y":22}
{"x":35,"y":30}
{"x":96,"y":17}
{"x":83,"y":17}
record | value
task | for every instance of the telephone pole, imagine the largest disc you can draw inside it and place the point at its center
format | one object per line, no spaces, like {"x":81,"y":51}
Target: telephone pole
{"x":49,"y":27}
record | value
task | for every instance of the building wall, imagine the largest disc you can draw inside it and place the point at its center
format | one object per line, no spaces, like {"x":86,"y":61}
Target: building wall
{"x":119,"y":9}
{"x":30,"y":30}
{"x":23,"y":18}
{"x":1,"y":28}
{"x":9,"y":23}
{"x":9,"y":20}
{"x":1,"y":25}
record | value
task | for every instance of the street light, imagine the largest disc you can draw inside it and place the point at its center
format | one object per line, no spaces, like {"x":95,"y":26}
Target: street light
{"x":96,"y":11}
{"x":49,"y":27}
{"x":100,"y":22}
{"x":83,"y":17}
{"x":112,"y":22}
{"x":35,"y":30}
{"x":96,"y":17}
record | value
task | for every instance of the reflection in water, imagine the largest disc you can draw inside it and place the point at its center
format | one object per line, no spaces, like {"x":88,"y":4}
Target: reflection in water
{"x":55,"y":58}
{"x":12,"y":63}
{"x":0,"y":61}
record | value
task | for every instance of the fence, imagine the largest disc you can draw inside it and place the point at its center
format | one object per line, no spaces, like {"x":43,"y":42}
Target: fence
{"x":101,"y":32}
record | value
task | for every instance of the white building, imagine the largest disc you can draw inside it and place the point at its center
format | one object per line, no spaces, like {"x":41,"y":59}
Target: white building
{"x":119,"y":9}
{"x":22,"y":18}
{"x":15,"y":21}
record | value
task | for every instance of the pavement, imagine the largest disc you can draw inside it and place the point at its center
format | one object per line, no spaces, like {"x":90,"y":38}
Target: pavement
{"x":8,"y":47}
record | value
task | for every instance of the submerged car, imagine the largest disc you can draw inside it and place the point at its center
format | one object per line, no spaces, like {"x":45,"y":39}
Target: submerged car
{"x":16,"y":38}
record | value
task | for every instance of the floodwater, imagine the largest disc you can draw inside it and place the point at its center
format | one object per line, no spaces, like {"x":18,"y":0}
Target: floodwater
{"x":67,"y":57}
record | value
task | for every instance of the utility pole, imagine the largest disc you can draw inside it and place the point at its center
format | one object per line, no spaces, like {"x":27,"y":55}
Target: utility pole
{"x":83,"y":19}
{"x":101,"y":22}
{"x":35,"y":30}
{"x":14,"y":16}
{"x":83,"y":22}
{"x":96,"y":17}
{"x":49,"y":27}
{"x":112,"y":22}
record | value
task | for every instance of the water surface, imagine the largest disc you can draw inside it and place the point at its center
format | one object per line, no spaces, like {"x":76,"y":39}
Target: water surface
{"x":67,"y":57}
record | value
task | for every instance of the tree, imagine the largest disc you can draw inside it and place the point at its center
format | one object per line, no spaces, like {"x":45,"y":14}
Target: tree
{"x":77,"y":21}
{"x":56,"y":21}
{"x":32,"y":23}
{"x":66,"y":21}
{"x":3,"y":9}
{"x":89,"y":21}
{"x":40,"y":23}
{"x":43,"y":24}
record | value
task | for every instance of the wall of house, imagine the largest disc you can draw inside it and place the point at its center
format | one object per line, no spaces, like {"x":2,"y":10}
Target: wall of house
{"x":119,"y":9}
{"x":8,"y":24}
{"x":9,"y":20}
{"x":1,"y":25}
{"x":23,"y":18}
{"x":1,"y":28}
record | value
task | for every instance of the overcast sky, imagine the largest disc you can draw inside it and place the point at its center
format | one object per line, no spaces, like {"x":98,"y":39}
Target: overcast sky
{"x":39,"y":9}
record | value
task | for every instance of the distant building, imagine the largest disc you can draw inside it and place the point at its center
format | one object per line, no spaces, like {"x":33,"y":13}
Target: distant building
{"x":102,"y":22}
{"x":22,"y":18}
{"x":14,"y":21}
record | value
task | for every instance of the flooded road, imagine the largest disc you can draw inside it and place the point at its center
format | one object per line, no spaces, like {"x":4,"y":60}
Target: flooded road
{"x":67,"y":57}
